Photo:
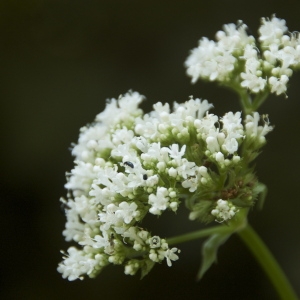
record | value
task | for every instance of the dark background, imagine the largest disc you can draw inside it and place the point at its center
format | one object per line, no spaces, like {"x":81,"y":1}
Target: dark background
{"x":59,"y":62}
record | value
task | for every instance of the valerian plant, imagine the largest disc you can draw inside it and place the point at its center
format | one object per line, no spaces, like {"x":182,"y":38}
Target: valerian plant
{"x":129,"y":164}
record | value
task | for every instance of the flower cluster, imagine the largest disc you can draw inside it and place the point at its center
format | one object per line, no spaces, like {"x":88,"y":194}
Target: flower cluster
{"x":129,"y":164}
{"x":224,"y":211}
{"x":237,"y":60}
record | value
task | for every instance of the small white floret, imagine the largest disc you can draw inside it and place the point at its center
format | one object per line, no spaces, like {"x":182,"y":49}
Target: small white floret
{"x":224,"y":210}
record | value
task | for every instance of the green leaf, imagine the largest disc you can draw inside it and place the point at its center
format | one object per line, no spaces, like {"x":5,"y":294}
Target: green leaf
{"x":148,"y":264}
{"x":209,"y":251}
{"x":261,"y":190}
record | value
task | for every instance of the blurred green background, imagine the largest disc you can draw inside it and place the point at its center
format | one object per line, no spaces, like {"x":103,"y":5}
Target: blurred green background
{"x":59,"y":62}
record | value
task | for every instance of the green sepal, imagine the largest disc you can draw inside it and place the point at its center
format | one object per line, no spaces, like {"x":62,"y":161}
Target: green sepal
{"x":202,"y":211}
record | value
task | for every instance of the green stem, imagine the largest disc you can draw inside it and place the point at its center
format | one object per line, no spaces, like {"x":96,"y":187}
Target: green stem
{"x":256,"y":246}
{"x":131,"y":253}
{"x":268,"y":263}
{"x":198,"y":234}
{"x":259,"y":100}
{"x":235,"y":224}
{"x":245,"y":98}
{"x":246,"y":101}
{"x":248,"y":104}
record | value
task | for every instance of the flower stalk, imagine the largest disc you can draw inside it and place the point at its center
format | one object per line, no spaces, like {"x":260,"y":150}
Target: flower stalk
{"x":269,"y":264}
{"x":257,"y":247}
{"x":198,"y":234}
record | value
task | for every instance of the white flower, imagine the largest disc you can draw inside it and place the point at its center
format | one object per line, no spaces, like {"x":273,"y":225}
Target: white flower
{"x":125,"y":151}
{"x":152,"y":181}
{"x":131,"y":233}
{"x":100,"y":242}
{"x":147,"y":127}
{"x":132,"y":267}
{"x":186,"y":168}
{"x":272,"y":53}
{"x":254,"y":83}
{"x":234,"y":37}
{"x":106,"y":175}
{"x":135,"y":165}
{"x":101,"y":195}
{"x":172,"y":172}
{"x":153,"y":153}
{"x":212,"y":141}
{"x":81,"y":178}
{"x":195,"y":108}
{"x":195,"y":62}
{"x":155,"y":241}
{"x":232,"y":124}
{"x":174,"y":151}
{"x":75,"y":264}
{"x":161,"y":108}
{"x":230,"y":144}
{"x":127,"y":211}
{"x":109,"y":217}
{"x":252,"y":65}
{"x":249,"y":52}
{"x":159,"y":202}
{"x":219,"y":67}
{"x":141,"y":143}
{"x":222,"y":61}
{"x":254,"y":130}
{"x":220,"y":157}
{"x":74,"y":228}
{"x":191,"y":184}
{"x":206,"y":124}
{"x":224,"y":210}
{"x":122,"y":110}
{"x":89,"y":142}
{"x":271,"y":30}
{"x":289,"y":56}
{"x":122,"y":136}
{"x":217,"y":60}
{"x":120,"y":184}
{"x":170,"y":255}
{"x":278,"y":85}
{"x":86,"y":209}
